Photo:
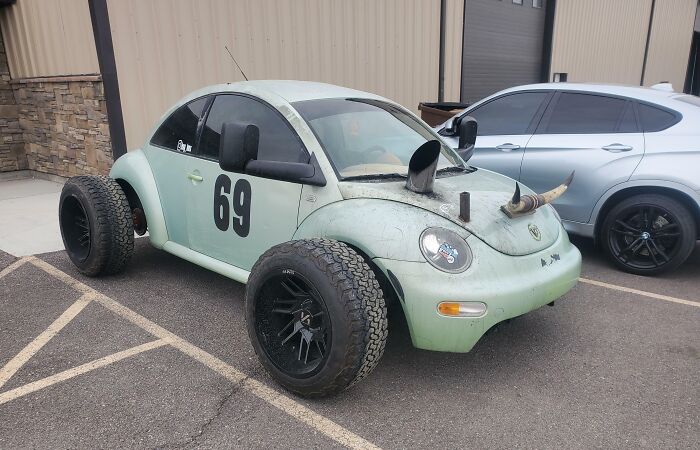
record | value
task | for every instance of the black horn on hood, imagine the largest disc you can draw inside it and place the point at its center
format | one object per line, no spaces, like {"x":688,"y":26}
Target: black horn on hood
{"x":422,"y":168}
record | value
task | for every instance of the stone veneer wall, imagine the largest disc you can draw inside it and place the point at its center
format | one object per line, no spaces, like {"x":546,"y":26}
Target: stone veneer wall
{"x":64,"y":124}
{"x":12,"y":155}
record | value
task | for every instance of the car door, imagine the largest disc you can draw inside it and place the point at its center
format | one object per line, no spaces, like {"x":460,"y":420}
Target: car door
{"x":170,"y":155}
{"x":597,"y":136}
{"x":235,"y":217}
{"x":505,"y":125}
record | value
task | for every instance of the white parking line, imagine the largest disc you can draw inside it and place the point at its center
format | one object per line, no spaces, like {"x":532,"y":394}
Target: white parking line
{"x":665,"y":298}
{"x":30,"y":350}
{"x":282,"y":402}
{"x":75,"y":371}
{"x":12,"y":267}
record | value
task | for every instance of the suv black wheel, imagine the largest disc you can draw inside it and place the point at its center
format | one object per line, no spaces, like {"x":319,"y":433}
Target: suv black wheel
{"x":96,"y":224}
{"x":648,"y":234}
{"x":316,"y":316}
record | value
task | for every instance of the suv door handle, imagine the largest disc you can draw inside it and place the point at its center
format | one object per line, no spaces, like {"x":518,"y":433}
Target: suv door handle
{"x":195,"y":177}
{"x":507,"y":147}
{"x":617,"y":148}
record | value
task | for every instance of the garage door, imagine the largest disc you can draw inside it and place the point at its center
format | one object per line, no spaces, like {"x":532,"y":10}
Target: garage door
{"x":502,"y":45}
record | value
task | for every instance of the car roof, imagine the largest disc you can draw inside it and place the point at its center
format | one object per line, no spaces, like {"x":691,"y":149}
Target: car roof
{"x":290,"y":90}
{"x":658,"y":96}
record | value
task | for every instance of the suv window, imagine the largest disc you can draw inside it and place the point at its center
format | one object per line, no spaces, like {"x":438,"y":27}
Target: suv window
{"x":585,"y":114}
{"x":510,"y":114}
{"x":655,"y":119}
{"x":278,"y":141}
{"x":181,"y":127}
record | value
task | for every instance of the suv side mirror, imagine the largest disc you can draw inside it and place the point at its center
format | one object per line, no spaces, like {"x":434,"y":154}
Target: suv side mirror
{"x":467,"y":129}
{"x":238,"y":145}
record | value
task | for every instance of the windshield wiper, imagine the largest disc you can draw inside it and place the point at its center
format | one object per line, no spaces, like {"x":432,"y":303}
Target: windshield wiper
{"x":375,"y":176}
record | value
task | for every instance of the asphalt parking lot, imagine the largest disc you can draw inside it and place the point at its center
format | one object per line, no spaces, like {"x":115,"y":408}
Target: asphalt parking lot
{"x":159,"y":357}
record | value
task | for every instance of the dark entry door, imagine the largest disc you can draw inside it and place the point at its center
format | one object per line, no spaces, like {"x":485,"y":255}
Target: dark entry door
{"x":502,"y":45}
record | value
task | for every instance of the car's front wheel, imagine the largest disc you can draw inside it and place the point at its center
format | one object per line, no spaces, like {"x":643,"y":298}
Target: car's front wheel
{"x":648,"y":234}
{"x":316,"y":316}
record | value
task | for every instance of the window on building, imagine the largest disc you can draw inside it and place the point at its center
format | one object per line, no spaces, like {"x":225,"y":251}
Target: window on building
{"x":585,"y":114}
{"x":278,"y":142}
{"x":510,"y":114}
{"x":179,"y":131}
{"x":655,"y":119}
{"x":518,"y":2}
{"x":536,"y":3}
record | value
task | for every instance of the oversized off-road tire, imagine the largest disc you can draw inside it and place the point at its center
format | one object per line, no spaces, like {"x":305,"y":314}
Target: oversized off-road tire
{"x":96,"y":225}
{"x":316,"y":316}
{"x":648,"y":234}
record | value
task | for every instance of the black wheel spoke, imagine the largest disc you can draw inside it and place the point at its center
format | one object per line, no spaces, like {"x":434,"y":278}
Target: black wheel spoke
{"x":294,"y":321}
{"x":629,"y":247}
{"x":651,"y":253}
{"x":659,"y":251}
{"x":627,"y":226}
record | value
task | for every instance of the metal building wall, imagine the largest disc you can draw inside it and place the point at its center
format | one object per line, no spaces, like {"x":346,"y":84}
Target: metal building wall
{"x":166,"y":48}
{"x":669,"y":43}
{"x":48,"y":38}
{"x":600,"y":40}
{"x":454,"y":29}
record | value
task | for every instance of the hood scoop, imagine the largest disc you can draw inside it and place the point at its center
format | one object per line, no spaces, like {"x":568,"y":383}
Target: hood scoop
{"x":422,"y":168}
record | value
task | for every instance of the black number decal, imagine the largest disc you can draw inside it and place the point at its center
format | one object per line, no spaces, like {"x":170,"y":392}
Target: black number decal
{"x":241,"y":205}
{"x":222,"y":210}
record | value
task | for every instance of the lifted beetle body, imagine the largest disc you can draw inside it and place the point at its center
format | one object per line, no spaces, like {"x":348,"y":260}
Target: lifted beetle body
{"x":513,"y":270}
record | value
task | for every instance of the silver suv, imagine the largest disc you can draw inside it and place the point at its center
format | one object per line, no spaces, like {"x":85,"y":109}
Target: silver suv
{"x":636,"y":153}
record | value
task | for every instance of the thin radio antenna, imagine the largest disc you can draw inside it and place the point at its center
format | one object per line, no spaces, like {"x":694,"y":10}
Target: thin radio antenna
{"x":235,"y":62}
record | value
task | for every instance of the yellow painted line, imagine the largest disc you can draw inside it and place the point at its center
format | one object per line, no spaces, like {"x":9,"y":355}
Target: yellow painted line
{"x":281,"y":401}
{"x":75,"y":371}
{"x":30,"y":350}
{"x":665,"y":298}
{"x":12,"y":267}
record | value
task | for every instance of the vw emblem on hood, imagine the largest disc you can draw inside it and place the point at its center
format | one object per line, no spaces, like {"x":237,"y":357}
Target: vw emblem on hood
{"x":534,"y":232}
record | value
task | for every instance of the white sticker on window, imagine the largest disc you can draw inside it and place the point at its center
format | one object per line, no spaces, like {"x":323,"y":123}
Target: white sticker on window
{"x":182,"y":147}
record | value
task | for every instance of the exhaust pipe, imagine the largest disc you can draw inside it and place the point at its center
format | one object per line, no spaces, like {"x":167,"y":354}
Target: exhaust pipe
{"x":422,"y":168}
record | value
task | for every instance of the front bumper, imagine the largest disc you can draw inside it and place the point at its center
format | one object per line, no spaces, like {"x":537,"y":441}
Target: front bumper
{"x":509,"y":285}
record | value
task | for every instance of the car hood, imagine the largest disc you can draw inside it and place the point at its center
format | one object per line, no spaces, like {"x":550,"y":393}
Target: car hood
{"x":488,"y":191}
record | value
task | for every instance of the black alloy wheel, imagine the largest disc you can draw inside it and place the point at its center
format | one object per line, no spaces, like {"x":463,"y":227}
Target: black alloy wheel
{"x":649,"y":234}
{"x":76,"y":225}
{"x":292,"y":324}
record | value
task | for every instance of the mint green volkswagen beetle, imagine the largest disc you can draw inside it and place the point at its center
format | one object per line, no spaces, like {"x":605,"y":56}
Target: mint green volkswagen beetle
{"x":328,"y":202}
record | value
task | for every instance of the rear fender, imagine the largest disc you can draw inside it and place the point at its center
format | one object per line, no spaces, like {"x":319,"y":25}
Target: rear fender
{"x":134,"y":169}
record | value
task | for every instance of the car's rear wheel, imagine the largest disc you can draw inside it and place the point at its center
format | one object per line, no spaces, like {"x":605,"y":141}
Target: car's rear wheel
{"x":648,"y":234}
{"x":96,"y":224}
{"x":316,"y":316}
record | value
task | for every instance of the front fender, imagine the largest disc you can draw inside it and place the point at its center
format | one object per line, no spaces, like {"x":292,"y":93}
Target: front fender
{"x":134,"y":168}
{"x":380,"y":228}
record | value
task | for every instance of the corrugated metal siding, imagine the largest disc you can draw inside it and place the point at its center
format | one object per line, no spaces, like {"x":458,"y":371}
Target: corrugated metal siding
{"x":165,"y":48}
{"x":502,"y":46}
{"x":48,"y":38}
{"x":601,"y":40}
{"x":454,"y":29}
{"x":669,"y":45}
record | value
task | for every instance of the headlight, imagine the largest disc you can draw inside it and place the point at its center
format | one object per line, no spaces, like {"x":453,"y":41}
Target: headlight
{"x":445,"y":250}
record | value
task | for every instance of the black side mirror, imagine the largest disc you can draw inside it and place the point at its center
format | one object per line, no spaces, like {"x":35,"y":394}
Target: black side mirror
{"x":238,"y":145}
{"x":467,"y":137}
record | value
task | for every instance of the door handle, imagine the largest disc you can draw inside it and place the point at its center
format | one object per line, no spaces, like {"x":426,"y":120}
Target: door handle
{"x":617,"y":148}
{"x":195,"y":177}
{"x":507,"y":147}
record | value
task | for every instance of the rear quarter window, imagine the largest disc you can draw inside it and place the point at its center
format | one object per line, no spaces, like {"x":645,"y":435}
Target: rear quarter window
{"x":656,"y":119}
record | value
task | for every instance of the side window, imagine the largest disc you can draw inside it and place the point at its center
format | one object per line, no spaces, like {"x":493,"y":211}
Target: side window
{"x":278,"y":142}
{"x":179,"y":131}
{"x":585,"y":114}
{"x":655,"y":119}
{"x":510,"y":114}
{"x":628,"y":123}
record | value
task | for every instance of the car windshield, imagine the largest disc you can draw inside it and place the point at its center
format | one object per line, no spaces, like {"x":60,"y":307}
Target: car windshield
{"x":367,"y":138}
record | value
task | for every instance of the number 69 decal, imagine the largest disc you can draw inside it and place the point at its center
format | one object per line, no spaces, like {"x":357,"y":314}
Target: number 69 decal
{"x":240,"y":201}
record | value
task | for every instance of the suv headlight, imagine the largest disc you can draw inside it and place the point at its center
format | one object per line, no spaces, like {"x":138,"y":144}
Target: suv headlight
{"x":445,"y":250}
